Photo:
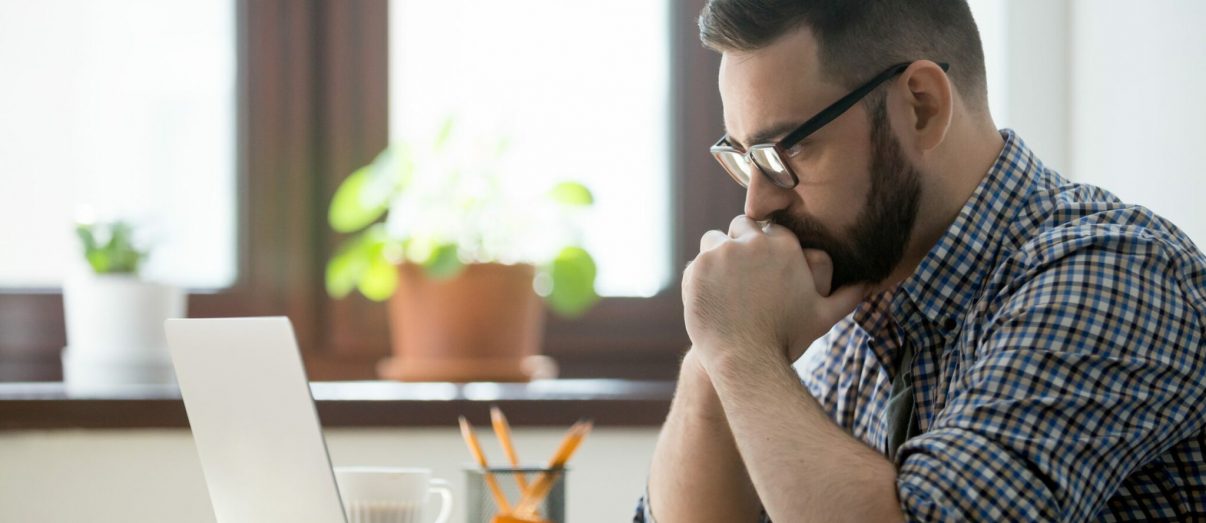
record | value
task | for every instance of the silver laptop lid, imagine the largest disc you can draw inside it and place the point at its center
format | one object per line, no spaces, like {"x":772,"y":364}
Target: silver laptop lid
{"x":253,"y":420}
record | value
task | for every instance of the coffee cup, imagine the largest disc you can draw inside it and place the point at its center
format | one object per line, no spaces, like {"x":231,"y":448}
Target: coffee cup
{"x":391,"y":494}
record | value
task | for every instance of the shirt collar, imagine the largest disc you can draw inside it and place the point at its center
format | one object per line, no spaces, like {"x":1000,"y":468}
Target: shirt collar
{"x":951,"y":275}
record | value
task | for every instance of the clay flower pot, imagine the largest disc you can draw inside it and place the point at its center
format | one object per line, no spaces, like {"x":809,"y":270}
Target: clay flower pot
{"x":485,"y":324}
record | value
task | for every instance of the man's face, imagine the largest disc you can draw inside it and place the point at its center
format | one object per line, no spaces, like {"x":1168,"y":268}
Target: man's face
{"x":857,"y":197}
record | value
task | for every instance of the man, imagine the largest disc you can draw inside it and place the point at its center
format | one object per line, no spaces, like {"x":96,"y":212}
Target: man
{"x":996,"y":343}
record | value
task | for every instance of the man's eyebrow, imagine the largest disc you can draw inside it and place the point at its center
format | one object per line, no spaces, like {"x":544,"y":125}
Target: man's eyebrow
{"x":764,"y":135}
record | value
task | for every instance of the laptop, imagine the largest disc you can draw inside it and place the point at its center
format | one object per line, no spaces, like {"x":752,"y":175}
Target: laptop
{"x":253,"y":420}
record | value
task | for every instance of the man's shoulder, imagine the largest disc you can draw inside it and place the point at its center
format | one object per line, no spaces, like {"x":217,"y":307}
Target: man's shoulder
{"x":1088,"y":251}
{"x":1063,"y":225}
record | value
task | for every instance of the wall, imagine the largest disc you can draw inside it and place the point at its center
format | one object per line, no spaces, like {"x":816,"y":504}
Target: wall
{"x":1138,"y":104}
{"x":1108,"y":92}
{"x":153,"y":476}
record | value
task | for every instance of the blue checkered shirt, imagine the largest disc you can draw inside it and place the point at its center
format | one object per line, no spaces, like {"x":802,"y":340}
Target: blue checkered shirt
{"x":1059,"y":372}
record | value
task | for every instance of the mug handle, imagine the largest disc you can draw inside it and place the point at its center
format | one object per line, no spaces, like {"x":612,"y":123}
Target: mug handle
{"x":440,"y":486}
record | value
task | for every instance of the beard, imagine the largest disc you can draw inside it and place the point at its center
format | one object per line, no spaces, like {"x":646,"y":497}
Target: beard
{"x":876,"y":241}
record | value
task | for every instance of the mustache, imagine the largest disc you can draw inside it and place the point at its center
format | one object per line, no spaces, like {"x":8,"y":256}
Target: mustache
{"x":810,"y":233}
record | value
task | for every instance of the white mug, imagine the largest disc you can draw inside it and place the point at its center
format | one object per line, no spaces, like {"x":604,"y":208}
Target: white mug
{"x":390,"y":494}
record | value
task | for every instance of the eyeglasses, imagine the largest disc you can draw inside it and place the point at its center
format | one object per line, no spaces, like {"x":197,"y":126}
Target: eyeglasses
{"x":772,"y":158}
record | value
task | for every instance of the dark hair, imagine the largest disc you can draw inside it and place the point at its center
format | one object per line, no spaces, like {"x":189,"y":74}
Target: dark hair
{"x":858,"y":38}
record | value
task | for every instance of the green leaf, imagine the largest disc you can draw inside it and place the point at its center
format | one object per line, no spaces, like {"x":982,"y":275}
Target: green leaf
{"x":117,"y":250}
{"x":571,"y":193}
{"x":357,"y":202}
{"x":573,"y":274}
{"x":348,"y":266}
{"x":443,"y":263}
{"x":380,"y":279}
{"x":117,"y":254}
{"x":86,"y":237}
{"x":343,"y":273}
{"x":98,"y":261}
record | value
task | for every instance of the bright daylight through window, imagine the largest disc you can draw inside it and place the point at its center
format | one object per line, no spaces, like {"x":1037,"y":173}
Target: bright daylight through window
{"x":578,"y":101}
{"x":125,"y":108}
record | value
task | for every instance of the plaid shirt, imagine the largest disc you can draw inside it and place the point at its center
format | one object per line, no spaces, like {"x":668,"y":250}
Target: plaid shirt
{"x":1059,"y":372}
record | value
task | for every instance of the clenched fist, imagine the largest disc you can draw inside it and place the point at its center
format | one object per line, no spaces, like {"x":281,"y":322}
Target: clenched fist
{"x":757,"y":290}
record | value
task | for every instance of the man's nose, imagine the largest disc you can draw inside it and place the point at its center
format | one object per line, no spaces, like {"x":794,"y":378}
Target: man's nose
{"x":763,"y":197}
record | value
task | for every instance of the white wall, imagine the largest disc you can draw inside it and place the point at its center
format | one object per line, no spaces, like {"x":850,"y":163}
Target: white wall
{"x":1111,"y":93}
{"x":1036,"y":80}
{"x":1138,"y":110}
{"x":153,"y":476}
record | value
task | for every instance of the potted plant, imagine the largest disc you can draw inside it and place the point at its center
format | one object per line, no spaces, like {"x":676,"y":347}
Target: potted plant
{"x":466,"y":260}
{"x":114,"y":317}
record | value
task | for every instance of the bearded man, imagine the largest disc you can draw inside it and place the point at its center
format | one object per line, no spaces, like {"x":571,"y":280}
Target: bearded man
{"x":915,"y":319}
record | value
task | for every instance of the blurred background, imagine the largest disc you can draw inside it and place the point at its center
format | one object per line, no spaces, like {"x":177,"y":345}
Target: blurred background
{"x":224,"y":127}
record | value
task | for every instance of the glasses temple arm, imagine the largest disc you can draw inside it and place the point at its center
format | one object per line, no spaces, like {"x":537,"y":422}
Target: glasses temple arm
{"x":842,"y":105}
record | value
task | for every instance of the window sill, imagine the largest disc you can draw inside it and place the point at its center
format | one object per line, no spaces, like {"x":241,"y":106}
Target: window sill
{"x":615,"y":403}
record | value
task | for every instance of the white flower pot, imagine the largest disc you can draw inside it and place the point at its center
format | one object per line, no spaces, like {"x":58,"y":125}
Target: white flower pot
{"x":115,"y":330}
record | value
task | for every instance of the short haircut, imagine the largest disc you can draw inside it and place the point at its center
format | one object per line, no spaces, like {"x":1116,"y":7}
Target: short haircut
{"x":858,"y":39}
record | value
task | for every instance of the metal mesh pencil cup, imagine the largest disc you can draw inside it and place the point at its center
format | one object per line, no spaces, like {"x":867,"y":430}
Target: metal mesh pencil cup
{"x":479,"y":502}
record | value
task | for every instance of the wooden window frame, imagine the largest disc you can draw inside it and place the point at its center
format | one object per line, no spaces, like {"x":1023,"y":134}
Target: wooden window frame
{"x":312,"y":106}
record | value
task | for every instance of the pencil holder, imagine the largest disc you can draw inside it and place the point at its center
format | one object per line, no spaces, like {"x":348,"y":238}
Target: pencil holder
{"x":480,"y":504}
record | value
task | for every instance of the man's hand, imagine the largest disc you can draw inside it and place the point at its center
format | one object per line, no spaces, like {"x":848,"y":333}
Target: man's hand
{"x":756,"y":290}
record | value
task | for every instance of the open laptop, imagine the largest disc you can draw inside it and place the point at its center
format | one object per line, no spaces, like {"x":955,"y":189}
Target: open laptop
{"x":253,"y":420}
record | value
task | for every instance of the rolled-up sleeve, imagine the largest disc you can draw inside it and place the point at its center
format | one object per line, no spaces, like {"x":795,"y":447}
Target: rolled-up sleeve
{"x":1089,"y":367}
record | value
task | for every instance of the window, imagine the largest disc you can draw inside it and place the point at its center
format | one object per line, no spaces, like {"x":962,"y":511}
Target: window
{"x":228,"y":100}
{"x":277,"y":101}
{"x":118,"y":109}
{"x":583,"y":101}
{"x":310,"y":104}
{"x":673,"y":114}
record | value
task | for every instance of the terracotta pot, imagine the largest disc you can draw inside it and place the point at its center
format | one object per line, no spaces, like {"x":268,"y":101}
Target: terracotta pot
{"x":486,"y":324}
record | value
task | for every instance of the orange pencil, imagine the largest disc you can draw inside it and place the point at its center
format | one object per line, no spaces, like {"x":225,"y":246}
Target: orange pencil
{"x":476,"y":449}
{"x":544,"y":484}
{"x":503,"y":430}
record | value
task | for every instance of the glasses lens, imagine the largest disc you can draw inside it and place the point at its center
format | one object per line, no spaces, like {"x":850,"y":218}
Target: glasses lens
{"x":769,"y":161}
{"x":737,"y":166}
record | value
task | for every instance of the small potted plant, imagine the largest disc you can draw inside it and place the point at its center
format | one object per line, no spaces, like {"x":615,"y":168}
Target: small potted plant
{"x":114,"y":317}
{"x":466,"y":261}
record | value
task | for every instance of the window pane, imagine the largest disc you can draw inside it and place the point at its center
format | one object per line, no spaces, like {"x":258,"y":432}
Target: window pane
{"x":580,"y":88}
{"x":127,"y":107}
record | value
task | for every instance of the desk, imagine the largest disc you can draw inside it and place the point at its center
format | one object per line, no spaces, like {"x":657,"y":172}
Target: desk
{"x":153,"y":475}
{"x":364,"y":404}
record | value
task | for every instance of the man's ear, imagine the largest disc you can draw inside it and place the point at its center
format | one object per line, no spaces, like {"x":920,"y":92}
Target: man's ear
{"x":929,"y":103}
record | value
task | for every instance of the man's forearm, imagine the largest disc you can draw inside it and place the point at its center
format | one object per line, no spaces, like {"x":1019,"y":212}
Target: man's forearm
{"x":697,"y":473}
{"x":805,"y":467}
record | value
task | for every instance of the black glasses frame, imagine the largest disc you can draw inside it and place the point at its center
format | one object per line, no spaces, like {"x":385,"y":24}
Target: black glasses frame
{"x":779,"y":149}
